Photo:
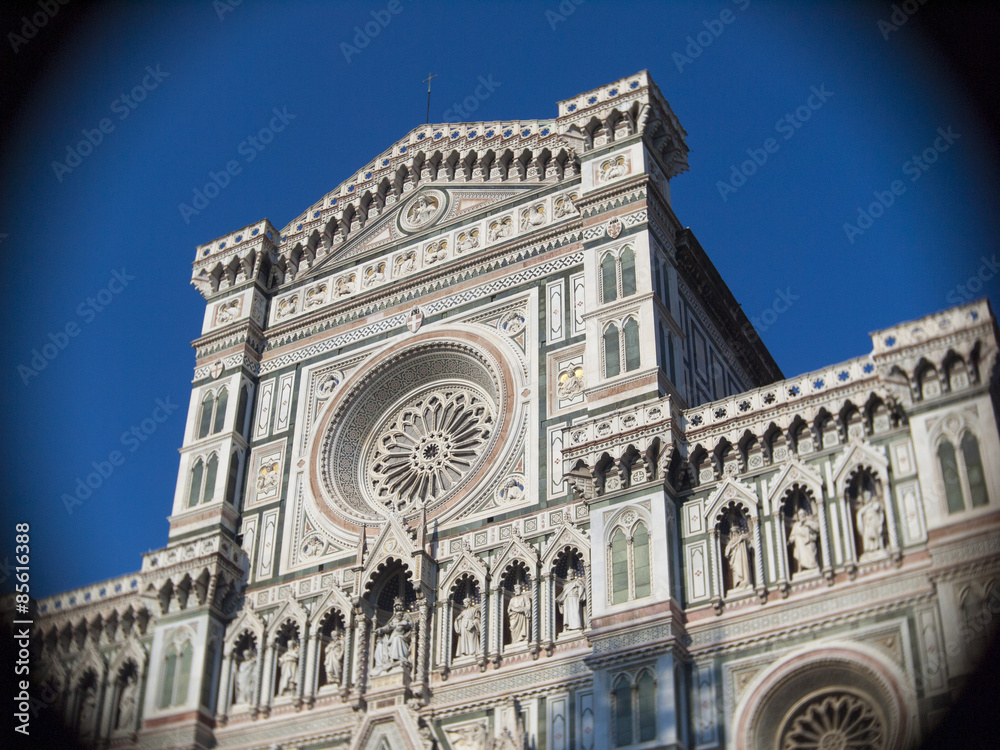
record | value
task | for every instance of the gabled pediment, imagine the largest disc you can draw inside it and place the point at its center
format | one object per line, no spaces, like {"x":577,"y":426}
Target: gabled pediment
{"x":731,"y":490}
{"x":466,"y":564}
{"x":567,"y":536}
{"x":794,"y":472}
{"x":858,"y":454}
{"x":515,"y":549}
{"x":247,"y":620}
{"x":391,"y":226}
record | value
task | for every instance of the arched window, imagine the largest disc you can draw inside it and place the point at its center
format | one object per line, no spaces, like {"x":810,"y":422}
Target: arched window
{"x":949,"y":471}
{"x":974,"y":470}
{"x":619,"y":567}
{"x":176,"y":674}
{"x":631,"y":345}
{"x":630,"y":564}
{"x":242,"y":410}
{"x":612,"y":352}
{"x":234,"y":472}
{"x":220,"y":410}
{"x":609,"y":279}
{"x":628,"y":272}
{"x":615,"y":340}
{"x":962,"y":474}
{"x":640,"y":561}
{"x":647,"y":707}
{"x":206,"y":415}
{"x":622,"y":707}
{"x":633,"y":706}
{"x":210,"y":473}
{"x":194,"y":493}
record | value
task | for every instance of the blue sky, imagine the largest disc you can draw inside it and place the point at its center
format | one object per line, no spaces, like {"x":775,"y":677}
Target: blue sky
{"x":210,"y":82}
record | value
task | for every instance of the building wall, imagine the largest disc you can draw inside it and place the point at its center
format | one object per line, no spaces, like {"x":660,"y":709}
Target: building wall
{"x":449,"y":284}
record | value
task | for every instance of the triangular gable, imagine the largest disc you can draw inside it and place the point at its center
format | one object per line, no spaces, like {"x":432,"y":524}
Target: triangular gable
{"x":731,"y":490}
{"x":567,"y":535}
{"x":467,"y":563}
{"x":292,"y":610}
{"x":90,"y":658}
{"x":334,"y":599}
{"x":859,"y":454}
{"x":794,"y":472}
{"x":516,"y":549}
{"x":393,"y":541}
{"x":132,"y":649}
{"x":397,"y":729}
{"x":248,"y":619}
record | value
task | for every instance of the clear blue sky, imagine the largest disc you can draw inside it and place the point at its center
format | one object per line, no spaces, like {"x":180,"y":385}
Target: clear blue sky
{"x":63,"y":235}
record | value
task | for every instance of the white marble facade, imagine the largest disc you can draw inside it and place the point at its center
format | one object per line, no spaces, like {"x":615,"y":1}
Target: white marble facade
{"x":474,"y":460}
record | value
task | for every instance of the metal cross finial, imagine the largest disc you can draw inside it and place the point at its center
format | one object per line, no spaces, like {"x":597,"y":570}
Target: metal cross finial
{"x":427,"y":80}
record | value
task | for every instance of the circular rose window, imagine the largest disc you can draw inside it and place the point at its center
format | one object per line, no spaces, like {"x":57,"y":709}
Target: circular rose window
{"x":419,"y":429}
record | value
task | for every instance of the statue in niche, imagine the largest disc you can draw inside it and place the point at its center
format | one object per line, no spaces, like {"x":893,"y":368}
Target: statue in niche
{"x":570,"y":382}
{"x":246,"y":677}
{"x":345,"y":286}
{"x":267,"y":481}
{"x":392,"y":647}
{"x":500,"y":229}
{"x":570,"y":601}
{"x":435,"y":252}
{"x":468,"y":241}
{"x":288,"y":664}
{"x":467,"y":627}
{"x":374,"y":275}
{"x":334,"y":659}
{"x":316,"y":297}
{"x":804,"y":538}
{"x":613,"y":168}
{"x":127,"y":702}
{"x":88,"y":709}
{"x":468,"y":738}
{"x":405,"y":264}
{"x":422,"y":210}
{"x":738,"y":555}
{"x":565,"y":207}
{"x":871,"y":523}
{"x":519,"y":614}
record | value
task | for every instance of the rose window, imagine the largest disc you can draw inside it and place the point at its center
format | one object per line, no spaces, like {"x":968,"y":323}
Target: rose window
{"x":428,"y":445}
{"x":835,"y":722}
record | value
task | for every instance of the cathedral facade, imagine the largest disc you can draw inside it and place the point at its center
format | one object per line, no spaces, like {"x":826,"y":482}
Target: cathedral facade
{"x":482,"y":453}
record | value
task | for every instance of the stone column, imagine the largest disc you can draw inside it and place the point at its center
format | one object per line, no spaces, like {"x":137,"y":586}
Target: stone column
{"x":784,"y":569}
{"x":824,"y":541}
{"x":496,"y":632}
{"x":312,"y":668}
{"x":223,"y":699}
{"x":715,"y":569}
{"x":305,"y":655}
{"x":425,"y":639}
